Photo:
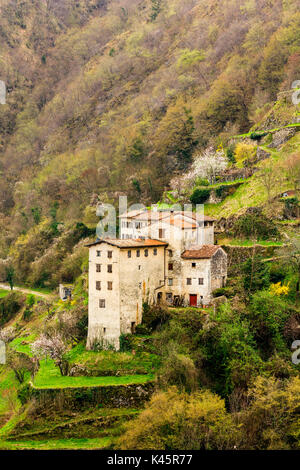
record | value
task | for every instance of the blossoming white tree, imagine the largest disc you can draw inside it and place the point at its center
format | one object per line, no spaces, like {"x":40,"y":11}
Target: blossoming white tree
{"x":53,"y":347}
{"x":208,"y":165}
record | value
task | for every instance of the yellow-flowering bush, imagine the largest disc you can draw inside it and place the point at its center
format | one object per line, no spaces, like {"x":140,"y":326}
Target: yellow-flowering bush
{"x":279,"y":289}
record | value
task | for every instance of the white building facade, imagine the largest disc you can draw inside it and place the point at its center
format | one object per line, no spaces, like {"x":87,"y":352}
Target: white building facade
{"x":161,"y":257}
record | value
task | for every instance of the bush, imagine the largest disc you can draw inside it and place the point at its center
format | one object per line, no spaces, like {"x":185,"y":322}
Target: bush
{"x":227,"y":291}
{"x":179,"y":370}
{"x":200,"y":196}
{"x":256,"y":274}
{"x":154,"y":316}
{"x":255,"y":225}
{"x":258,"y":135}
{"x":268,"y":316}
{"x":9,"y":306}
{"x":174,"y":420}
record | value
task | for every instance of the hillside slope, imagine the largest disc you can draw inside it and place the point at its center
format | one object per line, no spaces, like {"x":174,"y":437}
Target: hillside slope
{"x":109,"y":97}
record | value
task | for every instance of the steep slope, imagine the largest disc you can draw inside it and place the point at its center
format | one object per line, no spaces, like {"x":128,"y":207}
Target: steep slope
{"x":110,"y":97}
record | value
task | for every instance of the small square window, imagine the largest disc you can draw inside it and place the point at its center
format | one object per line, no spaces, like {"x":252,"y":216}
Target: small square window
{"x":170,"y":281}
{"x":189,"y":281}
{"x":98,"y":253}
{"x":98,"y":268}
{"x":109,"y":285}
{"x":109,"y":268}
{"x":104,"y":331}
{"x":102,"y":303}
{"x":138,"y":253}
{"x":161,"y":233}
{"x":193,"y":265}
{"x":170,"y":267}
{"x":129,"y":253}
{"x":201,"y":281}
{"x":98,"y":285}
{"x":155,"y":251}
{"x":146,"y":252}
{"x":109,"y":254}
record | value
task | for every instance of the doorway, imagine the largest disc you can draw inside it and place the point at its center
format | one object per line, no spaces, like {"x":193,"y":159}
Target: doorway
{"x":193,"y":300}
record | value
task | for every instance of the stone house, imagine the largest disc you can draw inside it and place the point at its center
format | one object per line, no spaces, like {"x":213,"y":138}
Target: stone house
{"x":164,"y":257}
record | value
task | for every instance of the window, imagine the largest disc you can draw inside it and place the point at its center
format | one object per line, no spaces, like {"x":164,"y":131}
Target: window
{"x":98,"y":268}
{"x":109,"y":285}
{"x":201,"y":281}
{"x":193,"y":265}
{"x":98,"y":285}
{"x":138,"y":253}
{"x":109,"y":268}
{"x":170,"y":266}
{"x":170,"y":252}
{"x":129,"y":253}
{"x":102,"y":303}
{"x":139,"y":267}
{"x":189,"y":281}
{"x":104,"y":331}
{"x":161,"y":233}
{"x":146,"y":253}
{"x":155,"y":251}
{"x":169,"y":297}
{"x":170,"y":281}
{"x":98,"y":253}
{"x":109,"y":254}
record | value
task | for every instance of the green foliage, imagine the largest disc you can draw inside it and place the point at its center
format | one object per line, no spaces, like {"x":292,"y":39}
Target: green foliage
{"x":10,"y":276}
{"x":268,"y":316}
{"x":154,"y":316}
{"x":200,"y":196}
{"x":258,"y":135}
{"x":177,"y":420}
{"x":255,"y":225}
{"x":9,"y":306}
{"x":155,"y":9}
{"x":256,"y":274}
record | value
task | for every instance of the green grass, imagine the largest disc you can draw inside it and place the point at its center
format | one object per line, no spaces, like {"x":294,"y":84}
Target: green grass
{"x":253,"y":192}
{"x":3,"y":293}
{"x":239,"y":242}
{"x":139,"y":363}
{"x":49,"y":376}
{"x":25,"y":348}
{"x":52,"y":444}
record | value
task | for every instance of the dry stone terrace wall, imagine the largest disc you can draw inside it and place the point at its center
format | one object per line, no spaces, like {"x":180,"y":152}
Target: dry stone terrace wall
{"x":78,"y":398}
{"x":236,"y":255}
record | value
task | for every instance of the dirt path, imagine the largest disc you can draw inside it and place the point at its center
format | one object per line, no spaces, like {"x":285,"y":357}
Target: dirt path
{"x":26,"y":291}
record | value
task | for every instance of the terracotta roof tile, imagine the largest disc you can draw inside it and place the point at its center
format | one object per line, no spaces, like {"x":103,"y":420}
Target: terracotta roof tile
{"x":130,"y":243}
{"x":200,"y":252}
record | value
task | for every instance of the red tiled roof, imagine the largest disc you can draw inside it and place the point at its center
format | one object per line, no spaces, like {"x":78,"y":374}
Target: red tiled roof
{"x":201,"y":252}
{"x":130,"y":243}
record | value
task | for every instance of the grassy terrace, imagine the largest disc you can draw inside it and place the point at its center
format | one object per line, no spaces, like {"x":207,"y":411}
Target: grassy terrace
{"x":49,"y":376}
{"x":53,"y":444}
{"x":247,"y":243}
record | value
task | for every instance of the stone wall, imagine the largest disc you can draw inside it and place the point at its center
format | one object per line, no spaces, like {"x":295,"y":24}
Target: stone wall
{"x":78,"y":398}
{"x":236,"y":255}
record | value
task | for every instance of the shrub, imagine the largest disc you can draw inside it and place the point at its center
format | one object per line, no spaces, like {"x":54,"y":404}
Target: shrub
{"x":177,"y":420}
{"x":256,"y":274}
{"x":255,"y":225}
{"x":9,"y":306}
{"x":200,"y":196}
{"x":258,"y":135}
{"x":268,"y":315}
{"x":227,"y":291}
{"x":154,"y":316}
